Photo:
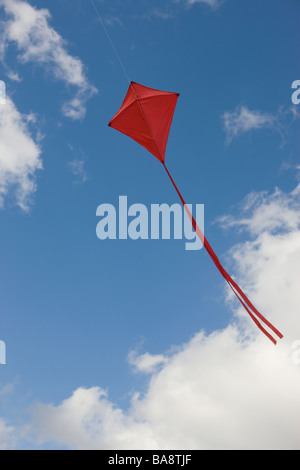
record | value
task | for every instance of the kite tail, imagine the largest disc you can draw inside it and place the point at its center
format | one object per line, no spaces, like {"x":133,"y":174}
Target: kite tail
{"x":248,"y":306}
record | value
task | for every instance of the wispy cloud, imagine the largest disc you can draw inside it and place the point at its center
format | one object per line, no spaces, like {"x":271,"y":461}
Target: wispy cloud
{"x":146,"y":363}
{"x":160,"y":14}
{"x":112,"y":20}
{"x":7,"y":439}
{"x":19,"y":157}
{"x":169,"y":10}
{"x":77,"y":168}
{"x":29,"y":29}
{"x":77,"y":165}
{"x":262,"y":212}
{"x":211,"y":3}
{"x":244,"y":120}
{"x":14,"y":76}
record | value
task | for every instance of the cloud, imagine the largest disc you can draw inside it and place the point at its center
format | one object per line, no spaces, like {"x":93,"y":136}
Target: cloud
{"x":243,"y":120}
{"x":261,"y":213}
{"x":211,"y":3}
{"x":19,"y":157}
{"x":146,"y":363}
{"x":76,"y":167}
{"x":112,"y":20}
{"x":158,"y":13}
{"x":231,"y":389}
{"x":7,"y":439}
{"x":28,"y":28}
{"x":268,"y":263}
{"x":215,"y":393}
{"x":14,"y":76}
{"x":95,"y":423}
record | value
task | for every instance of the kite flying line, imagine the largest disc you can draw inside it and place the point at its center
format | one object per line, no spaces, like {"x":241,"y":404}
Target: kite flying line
{"x":146,"y":116}
{"x":110,"y":41}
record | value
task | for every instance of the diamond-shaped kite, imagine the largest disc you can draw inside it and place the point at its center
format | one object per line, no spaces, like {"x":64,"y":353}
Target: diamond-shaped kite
{"x":146,"y":116}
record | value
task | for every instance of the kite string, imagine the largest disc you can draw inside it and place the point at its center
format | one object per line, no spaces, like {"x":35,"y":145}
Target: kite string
{"x":123,"y":69}
{"x":110,"y":41}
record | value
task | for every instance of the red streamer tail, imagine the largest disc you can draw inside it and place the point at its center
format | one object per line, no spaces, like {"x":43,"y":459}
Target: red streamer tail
{"x":256,"y":316}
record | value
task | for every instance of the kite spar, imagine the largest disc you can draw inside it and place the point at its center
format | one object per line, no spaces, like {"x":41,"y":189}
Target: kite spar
{"x":146,"y":116}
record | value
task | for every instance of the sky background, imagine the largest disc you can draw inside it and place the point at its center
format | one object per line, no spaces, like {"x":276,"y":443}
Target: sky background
{"x":122,"y":344}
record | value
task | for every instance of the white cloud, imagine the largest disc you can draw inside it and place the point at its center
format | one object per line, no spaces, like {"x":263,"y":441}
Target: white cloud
{"x":14,"y":76}
{"x":266,"y":213}
{"x":112,"y":20}
{"x":77,"y":165}
{"x":243,"y":120}
{"x":77,"y":168}
{"x":232,"y":389}
{"x":87,"y":420}
{"x":7,"y":439}
{"x":216,"y":393}
{"x":268,"y":264}
{"x":146,"y":363}
{"x":211,"y":3}
{"x":19,"y":157}
{"x":158,"y":13}
{"x":28,"y":28}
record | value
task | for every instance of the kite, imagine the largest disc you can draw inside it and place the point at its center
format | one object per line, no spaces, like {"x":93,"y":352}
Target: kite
{"x":146,"y":116}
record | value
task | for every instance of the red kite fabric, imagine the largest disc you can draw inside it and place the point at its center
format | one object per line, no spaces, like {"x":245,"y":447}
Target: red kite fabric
{"x":146,"y":116}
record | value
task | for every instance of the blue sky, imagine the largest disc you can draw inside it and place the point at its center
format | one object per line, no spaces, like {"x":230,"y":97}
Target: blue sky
{"x":80,"y":315}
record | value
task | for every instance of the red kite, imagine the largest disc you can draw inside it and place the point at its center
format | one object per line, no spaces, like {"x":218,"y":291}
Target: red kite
{"x":146,"y":116}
